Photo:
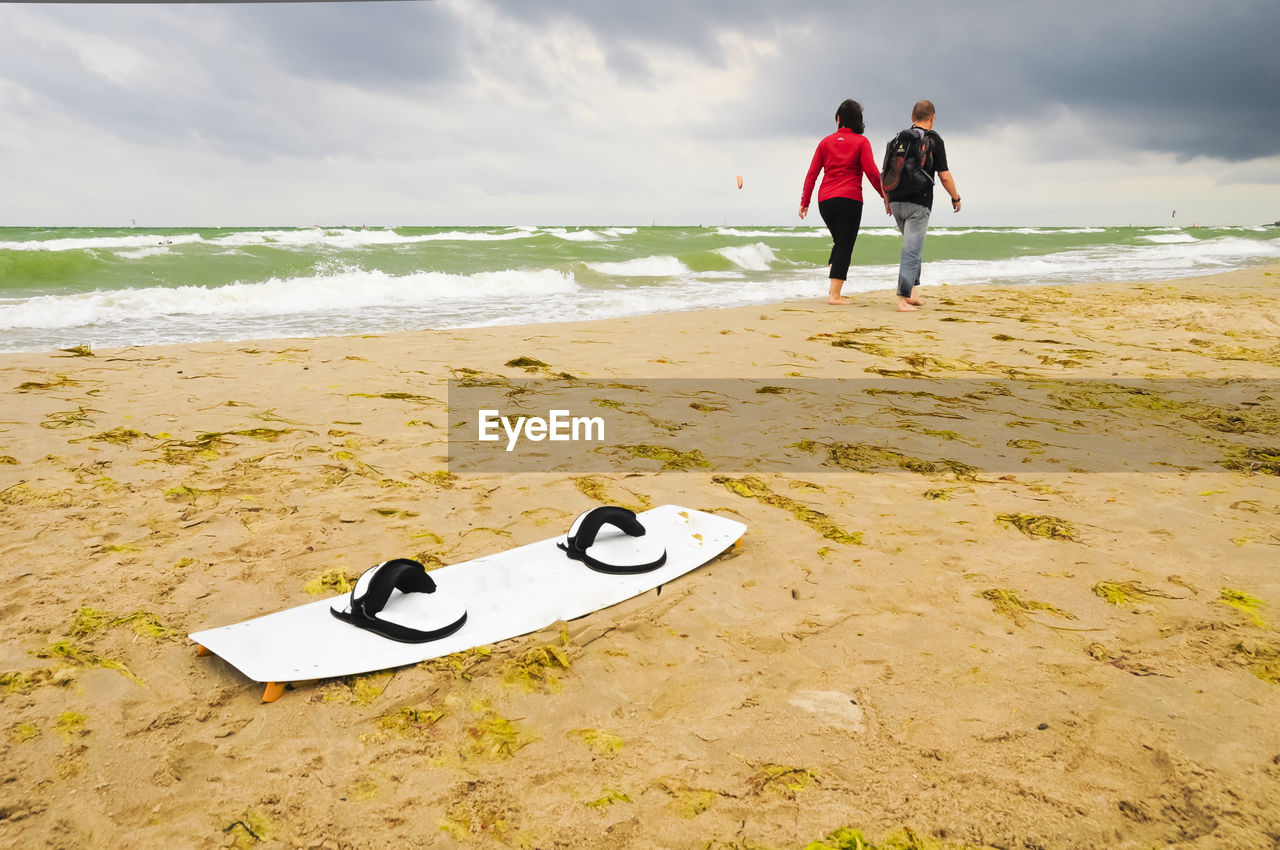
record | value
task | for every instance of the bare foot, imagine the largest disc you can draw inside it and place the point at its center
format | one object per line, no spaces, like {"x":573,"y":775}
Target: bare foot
{"x":915,"y":299}
{"x":905,"y":306}
{"x":840,"y":300}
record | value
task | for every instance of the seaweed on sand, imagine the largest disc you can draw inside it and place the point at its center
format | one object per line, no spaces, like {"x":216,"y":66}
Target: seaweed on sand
{"x":750,"y":487}
{"x":671,"y":459}
{"x":1009,"y":604}
{"x":1049,"y":527}
{"x":786,"y":781}
{"x":863,"y":458}
{"x":1126,"y":593}
{"x":1250,"y":606}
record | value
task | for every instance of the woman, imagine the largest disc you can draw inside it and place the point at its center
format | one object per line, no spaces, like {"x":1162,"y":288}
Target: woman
{"x":843,"y":157}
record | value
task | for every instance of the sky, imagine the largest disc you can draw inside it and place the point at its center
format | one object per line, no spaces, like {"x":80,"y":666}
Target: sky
{"x":520,"y":112}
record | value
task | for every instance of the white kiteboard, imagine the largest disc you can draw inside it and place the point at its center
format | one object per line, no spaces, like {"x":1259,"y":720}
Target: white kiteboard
{"x":476,"y":602}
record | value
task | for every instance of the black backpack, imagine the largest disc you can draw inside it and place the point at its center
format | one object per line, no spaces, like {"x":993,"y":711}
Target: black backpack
{"x":908,"y":162}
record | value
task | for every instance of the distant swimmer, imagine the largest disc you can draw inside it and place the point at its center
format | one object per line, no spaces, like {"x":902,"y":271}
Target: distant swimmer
{"x":844,"y":158}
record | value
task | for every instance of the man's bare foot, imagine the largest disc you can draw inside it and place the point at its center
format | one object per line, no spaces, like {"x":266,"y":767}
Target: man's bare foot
{"x":919,"y":302}
{"x":905,"y":306}
{"x":839,"y":300}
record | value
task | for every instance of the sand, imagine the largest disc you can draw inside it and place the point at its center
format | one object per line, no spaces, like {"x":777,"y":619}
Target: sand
{"x":1032,"y":652}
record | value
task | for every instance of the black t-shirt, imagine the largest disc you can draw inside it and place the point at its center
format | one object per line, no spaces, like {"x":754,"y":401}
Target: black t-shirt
{"x":925,"y":197}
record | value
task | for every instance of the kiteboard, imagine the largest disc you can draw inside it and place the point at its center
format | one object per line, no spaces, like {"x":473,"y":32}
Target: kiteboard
{"x":398,"y":614}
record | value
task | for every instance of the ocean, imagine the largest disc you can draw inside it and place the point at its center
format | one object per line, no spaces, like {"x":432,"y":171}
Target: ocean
{"x":114,"y":287}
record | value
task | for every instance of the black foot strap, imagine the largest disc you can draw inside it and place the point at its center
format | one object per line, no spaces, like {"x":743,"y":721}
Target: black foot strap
{"x":373,"y":591}
{"x":583,"y":535}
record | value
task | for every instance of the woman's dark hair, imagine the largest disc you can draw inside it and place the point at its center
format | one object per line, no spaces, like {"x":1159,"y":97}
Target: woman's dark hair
{"x":850,"y":116}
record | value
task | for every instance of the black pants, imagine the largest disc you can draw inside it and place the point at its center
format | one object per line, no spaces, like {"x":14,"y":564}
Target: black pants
{"x":843,"y":217}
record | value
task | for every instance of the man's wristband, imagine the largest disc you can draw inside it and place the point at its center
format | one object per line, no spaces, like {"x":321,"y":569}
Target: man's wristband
{"x":956,"y":199}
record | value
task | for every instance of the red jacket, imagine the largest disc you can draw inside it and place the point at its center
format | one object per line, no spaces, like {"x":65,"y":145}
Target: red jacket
{"x":843,"y":157}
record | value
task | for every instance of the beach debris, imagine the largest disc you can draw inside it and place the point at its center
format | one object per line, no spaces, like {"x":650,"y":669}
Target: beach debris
{"x":856,"y":339}
{"x":252,"y":827}
{"x":1120,"y":661}
{"x":750,"y":487}
{"x":1049,"y":527}
{"x":1248,"y":605}
{"x":81,"y":350}
{"x":461,"y":665}
{"x":1008,"y":603}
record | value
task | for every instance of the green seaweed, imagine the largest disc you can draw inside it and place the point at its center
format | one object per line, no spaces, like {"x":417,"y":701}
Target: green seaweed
{"x":598,"y":741}
{"x":360,"y":690}
{"x":864,"y":458}
{"x":71,"y":725}
{"x":1263,"y":660}
{"x":671,"y":459}
{"x":81,"y":350}
{"x":409,"y":720}
{"x":8,"y":460}
{"x":853,"y":339}
{"x":55,"y":383}
{"x":1250,"y":459}
{"x":1049,"y":527}
{"x":750,"y":487}
{"x":847,"y":838}
{"x":87,"y":621}
{"x":464,"y":665}
{"x":1009,"y":604}
{"x":1248,"y":605}
{"x":785,"y":781}
{"x":20,"y":733}
{"x":66,"y":650}
{"x":68,"y":418}
{"x":534,"y":669}
{"x":687,"y":802}
{"x":611,"y":796}
{"x":394,"y":396}
{"x":1126,"y":593}
{"x":330,"y":582}
{"x":492,"y":737}
{"x":529,"y":364}
{"x":252,"y":827}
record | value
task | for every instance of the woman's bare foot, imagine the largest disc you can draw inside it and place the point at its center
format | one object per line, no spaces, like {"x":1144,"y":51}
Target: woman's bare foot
{"x":905,"y":305}
{"x":839,"y":299}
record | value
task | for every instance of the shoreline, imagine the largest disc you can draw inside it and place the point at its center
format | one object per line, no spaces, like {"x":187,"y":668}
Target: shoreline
{"x":861,"y":299}
{"x":1014,"y":657}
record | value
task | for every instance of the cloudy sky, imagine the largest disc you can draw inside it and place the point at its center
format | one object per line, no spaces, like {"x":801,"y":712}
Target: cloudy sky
{"x":598,"y":111}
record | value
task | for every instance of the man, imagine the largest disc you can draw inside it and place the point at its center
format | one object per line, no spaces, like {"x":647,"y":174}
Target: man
{"x":910,"y":206}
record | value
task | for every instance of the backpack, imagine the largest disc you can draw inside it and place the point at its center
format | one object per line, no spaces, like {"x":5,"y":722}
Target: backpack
{"x":908,"y":162}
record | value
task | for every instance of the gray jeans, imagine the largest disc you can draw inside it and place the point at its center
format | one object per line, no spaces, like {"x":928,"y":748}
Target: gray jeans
{"x":913,"y":222}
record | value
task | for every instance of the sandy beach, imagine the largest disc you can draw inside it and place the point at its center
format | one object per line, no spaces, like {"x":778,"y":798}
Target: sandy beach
{"x":1016,"y":653}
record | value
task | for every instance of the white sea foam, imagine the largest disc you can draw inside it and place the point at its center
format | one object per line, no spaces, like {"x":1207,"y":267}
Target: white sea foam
{"x":1170,"y":238}
{"x":757,"y":257}
{"x":104,"y":243}
{"x":776,"y":231}
{"x":573,"y":235}
{"x":642,"y":267}
{"x":345,"y":291}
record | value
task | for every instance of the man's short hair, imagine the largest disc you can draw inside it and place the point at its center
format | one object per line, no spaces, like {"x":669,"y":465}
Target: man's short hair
{"x":922,"y":111}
